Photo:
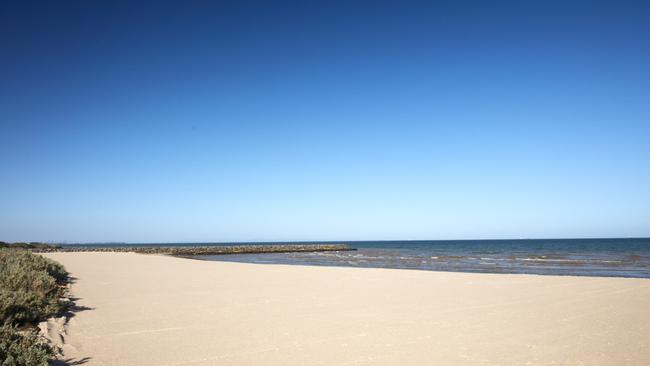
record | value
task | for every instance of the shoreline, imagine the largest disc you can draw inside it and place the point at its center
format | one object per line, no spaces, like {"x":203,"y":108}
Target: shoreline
{"x":414,"y":269}
{"x":162,"y":310}
{"x":627,"y":258}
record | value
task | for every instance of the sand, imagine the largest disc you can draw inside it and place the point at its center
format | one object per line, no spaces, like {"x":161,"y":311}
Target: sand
{"x":164,"y":311}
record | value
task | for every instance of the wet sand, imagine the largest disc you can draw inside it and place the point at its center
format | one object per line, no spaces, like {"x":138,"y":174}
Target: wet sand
{"x":159,"y":310}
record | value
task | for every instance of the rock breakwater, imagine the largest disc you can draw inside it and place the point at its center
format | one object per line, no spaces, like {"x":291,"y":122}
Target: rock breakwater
{"x":202,"y":250}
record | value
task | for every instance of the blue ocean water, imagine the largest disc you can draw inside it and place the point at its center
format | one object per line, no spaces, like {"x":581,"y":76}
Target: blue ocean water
{"x":629,"y":257}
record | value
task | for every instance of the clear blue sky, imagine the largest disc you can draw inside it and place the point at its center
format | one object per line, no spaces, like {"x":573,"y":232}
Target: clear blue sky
{"x":305,"y":120}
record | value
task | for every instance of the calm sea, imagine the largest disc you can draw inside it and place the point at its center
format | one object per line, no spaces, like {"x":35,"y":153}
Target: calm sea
{"x":582,"y":257}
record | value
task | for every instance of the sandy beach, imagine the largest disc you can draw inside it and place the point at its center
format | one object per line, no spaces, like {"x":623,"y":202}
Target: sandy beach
{"x":164,"y":311}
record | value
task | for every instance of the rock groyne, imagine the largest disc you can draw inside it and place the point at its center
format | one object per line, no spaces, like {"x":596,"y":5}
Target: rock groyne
{"x":202,"y":250}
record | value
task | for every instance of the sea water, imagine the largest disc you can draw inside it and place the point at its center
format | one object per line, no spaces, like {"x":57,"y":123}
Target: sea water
{"x":629,"y":257}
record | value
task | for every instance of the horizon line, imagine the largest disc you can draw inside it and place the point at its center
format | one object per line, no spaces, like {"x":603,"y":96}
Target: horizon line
{"x":324,"y":241}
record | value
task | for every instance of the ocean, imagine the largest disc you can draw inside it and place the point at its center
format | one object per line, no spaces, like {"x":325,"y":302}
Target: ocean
{"x":627,"y":257}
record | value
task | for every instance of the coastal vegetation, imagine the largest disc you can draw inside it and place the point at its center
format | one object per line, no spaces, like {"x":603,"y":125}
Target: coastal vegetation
{"x":32,"y":289}
{"x":30,"y":245}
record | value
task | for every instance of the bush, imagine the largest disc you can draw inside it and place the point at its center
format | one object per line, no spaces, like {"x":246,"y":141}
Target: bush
{"x":23,"y":348}
{"x":20,"y":307}
{"x":32,"y":289}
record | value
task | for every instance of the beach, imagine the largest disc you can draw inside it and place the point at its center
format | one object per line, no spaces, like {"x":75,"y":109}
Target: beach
{"x":137,"y":309}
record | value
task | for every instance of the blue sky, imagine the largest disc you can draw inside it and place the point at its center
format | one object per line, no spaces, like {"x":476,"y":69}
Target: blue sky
{"x":240,"y":121}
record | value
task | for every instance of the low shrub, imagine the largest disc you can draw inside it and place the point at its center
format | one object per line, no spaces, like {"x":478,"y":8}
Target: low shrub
{"x":23,"y":348}
{"x":32,"y":289}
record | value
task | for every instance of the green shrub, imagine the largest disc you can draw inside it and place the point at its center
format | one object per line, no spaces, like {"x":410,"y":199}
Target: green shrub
{"x":23,"y":348}
{"x":32,"y":289}
{"x":20,"y":307}
{"x":14,"y":260}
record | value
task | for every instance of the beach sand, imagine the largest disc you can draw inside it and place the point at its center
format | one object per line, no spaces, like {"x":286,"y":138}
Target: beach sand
{"x":163,"y":311}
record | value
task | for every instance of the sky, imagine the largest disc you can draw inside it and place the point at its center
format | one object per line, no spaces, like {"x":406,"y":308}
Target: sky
{"x":306,"y":120}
